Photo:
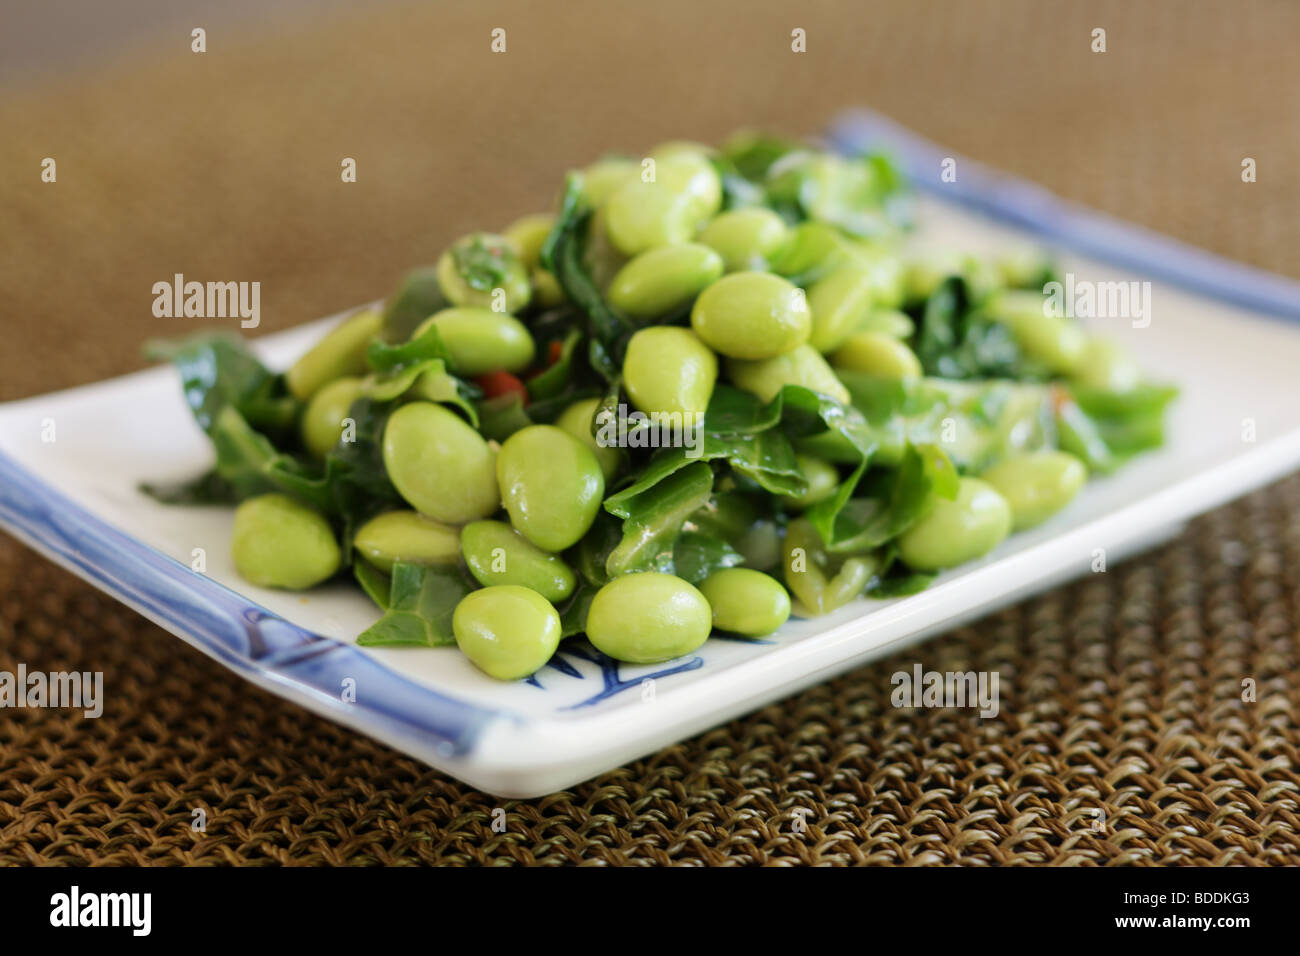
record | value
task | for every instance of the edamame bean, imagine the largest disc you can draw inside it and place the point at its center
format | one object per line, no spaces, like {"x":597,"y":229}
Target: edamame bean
{"x":483,"y":271}
{"x":891,"y":322}
{"x":406,"y":536}
{"x":746,"y":602}
{"x":577,"y":420}
{"x":648,"y":617}
{"x":547,"y":291}
{"x":747,"y":239}
{"x":509,"y":632}
{"x":957,"y":531}
{"x":527,"y":235}
{"x":341,"y":352}
{"x":822,"y":582}
{"x":481,"y":340}
{"x":280,"y":543}
{"x":440,"y":465}
{"x":1105,"y":364}
{"x":688,"y":171}
{"x":752,"y":315}
{"x":879,"y":354}
{"x":602,"y":178}
{"x":822,"y":478}
{"x":498,"y":554}
{"x":551,"y":484}
{"x":1056,"y":341}
{"x":663,"y":279}
{"x":1037,"y":484}
{"x":642,"y":215}
{"x":840,"y":303}
{"x":804,"y":366}
{"x":668,"y":369}
{"x":322,"y":419}
{"x":813,"y":250}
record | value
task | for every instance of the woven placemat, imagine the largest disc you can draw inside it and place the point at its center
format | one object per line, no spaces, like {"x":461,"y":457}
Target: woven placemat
{"x":1122,"y":735}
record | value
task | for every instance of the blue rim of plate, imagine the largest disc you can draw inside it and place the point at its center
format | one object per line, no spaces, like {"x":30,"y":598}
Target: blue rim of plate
{"x":1042,"y":213}
{"x":270,"y":650}
{"x":240,"y":633}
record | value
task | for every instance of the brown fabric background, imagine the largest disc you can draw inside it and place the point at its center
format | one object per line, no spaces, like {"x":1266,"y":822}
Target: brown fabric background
{"x":1120,"y":694}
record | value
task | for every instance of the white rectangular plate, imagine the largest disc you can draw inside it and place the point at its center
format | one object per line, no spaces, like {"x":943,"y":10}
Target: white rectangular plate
{"x":75,"y":499}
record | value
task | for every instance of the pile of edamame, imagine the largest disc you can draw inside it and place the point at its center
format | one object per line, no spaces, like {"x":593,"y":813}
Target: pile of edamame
{"x":860,"y":417}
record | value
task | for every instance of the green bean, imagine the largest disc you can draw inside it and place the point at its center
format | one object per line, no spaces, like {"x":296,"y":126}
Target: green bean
{"x":747,"y":239}
{"x":878,"y":354}
{"x":813,"y":250}
{"x":891,"y":322}
{"x":804,"y":366}
{"x":1037,"y":484}
{"x":687,"y":170}
{"x":481,"y":340}
{"x":482,"y":271}
{"x":440,"y":465}
{"x":577,"y":420}
{"x":752,"y":315}
{"x":648,"y":617}
{"x":668,"y":369}
{"x":957,"y":531}
{"x":280,"y":543}
{"x":746,"y":602}
{"x":341,"y":352}
{"x":322,"y":419}
{"x":642,"y":215}
{"x":660,"y":280}
{"x":406,"y":536}
{"x":498,"y":554}
{"x":551,"y":485}
{"x":509,"y":632}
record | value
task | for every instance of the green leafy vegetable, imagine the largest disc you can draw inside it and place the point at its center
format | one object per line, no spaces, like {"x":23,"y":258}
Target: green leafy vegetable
{"x":421,"y":602}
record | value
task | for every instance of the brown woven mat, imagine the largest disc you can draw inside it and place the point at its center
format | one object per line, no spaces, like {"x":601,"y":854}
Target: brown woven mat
{"x":1121,"y":694}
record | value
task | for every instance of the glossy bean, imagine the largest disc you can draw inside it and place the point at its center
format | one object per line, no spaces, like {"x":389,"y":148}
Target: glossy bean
{"x":821,"y":582}
{"x":752,"y":315}
{"x":823,"y":479}
{"x":483,"y":271}
{"x":840,"y":303}
{"x":643,"y":215}
{"x":878,"y":354}
{"x":668,"y":369}
{"x":1104,"y":364}
{"x":509,"y":632}
{"x":406,"y":536}
{"x":279,"y":543}
{"x":322,"y":419}
{"x":687,"y":170}
{"x":813,"y":250}
{"x":1056,"y":341}
{"x":551,"y":485}
{"x":1037,"y":484}
{"x":957,"y":531}
{"x":498,"y":554}
{"x":747,"y":239}
{"x":891,"y":322}
{"x":604,"y":177}
{"x":804,"y":366}
{"x":340,"y":353}
{"x":439,"y":464}
{"x":648,"y":617}
{"x":526,"y":236}
{"x":577,"y":421}
{"x":481,"y":340}
{"x":746,"y":602}
{"x":660,"y":280}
